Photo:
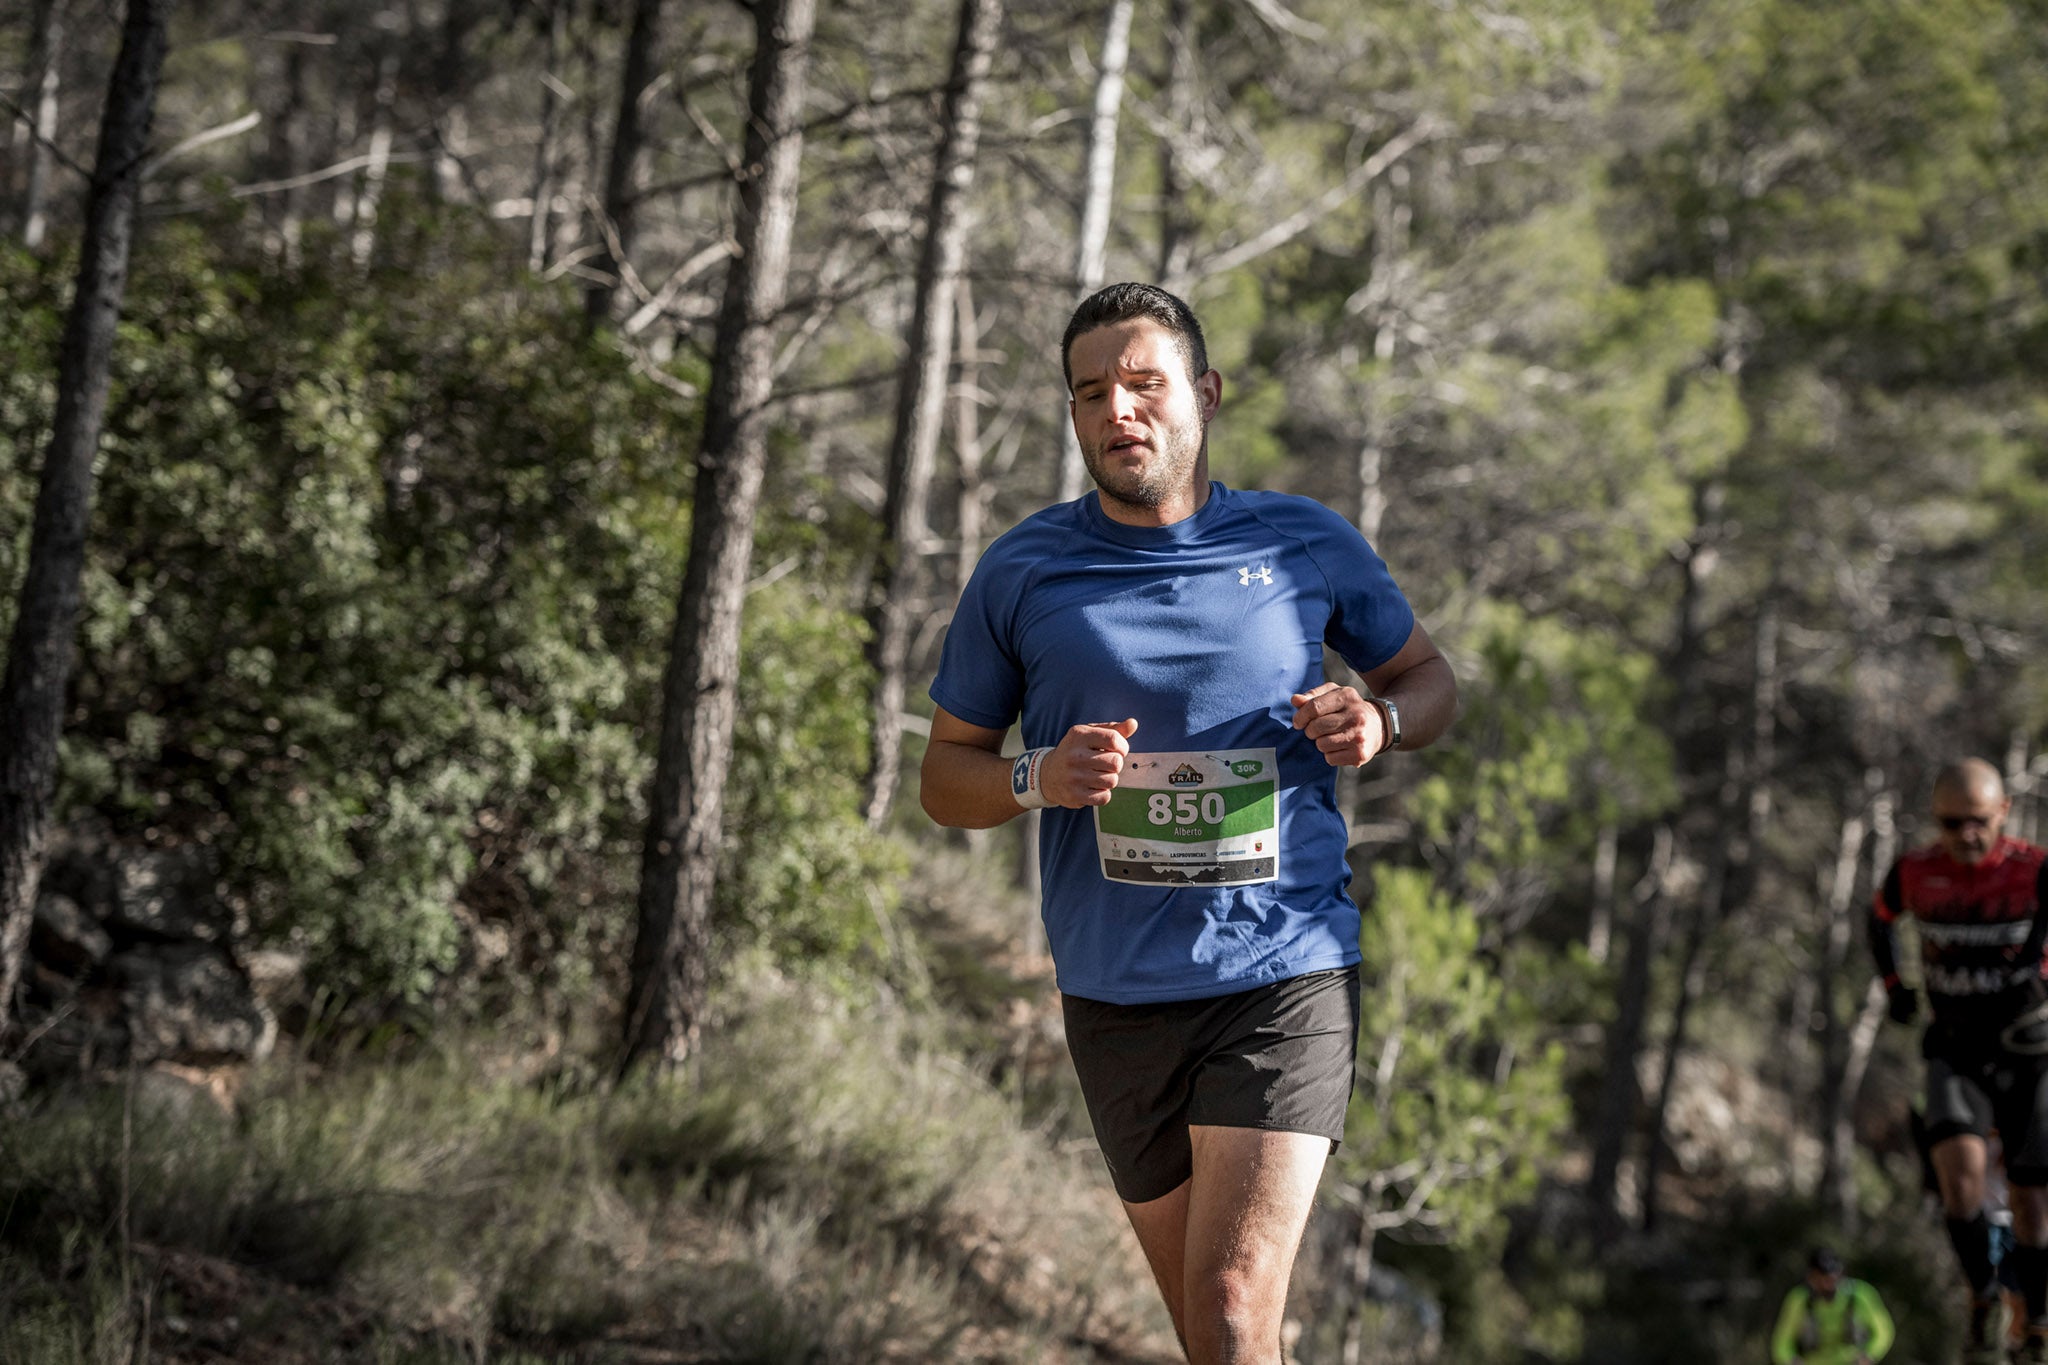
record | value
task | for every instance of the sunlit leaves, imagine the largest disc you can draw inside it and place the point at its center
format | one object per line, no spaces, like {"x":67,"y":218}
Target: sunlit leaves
{"x":1459,"y":1098}
{"x":1559,"y":736}
{"x":379,"y":594}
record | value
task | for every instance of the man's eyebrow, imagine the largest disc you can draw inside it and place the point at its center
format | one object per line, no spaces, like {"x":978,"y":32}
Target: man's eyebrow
{"x":1148,"y":371}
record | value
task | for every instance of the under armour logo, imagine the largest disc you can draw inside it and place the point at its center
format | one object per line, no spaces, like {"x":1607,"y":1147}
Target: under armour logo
{"x":1263,"y":574}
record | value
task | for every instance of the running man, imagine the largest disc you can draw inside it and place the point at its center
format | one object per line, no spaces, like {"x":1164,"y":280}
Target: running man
{"x":1161,"y":640}
{"x":1979,"y":901}
{"x":1830,"y":1320}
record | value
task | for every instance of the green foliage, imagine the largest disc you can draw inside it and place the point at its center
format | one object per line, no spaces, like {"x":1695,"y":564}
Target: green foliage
{"x":1592,"y":400}
{"x":803,"y":873}
{"x":1557,"y":738}
{"x":1460,"y":1095}
{"x":29,"y":291}
{"x":376,"y":605}
{"x":366,"y":598}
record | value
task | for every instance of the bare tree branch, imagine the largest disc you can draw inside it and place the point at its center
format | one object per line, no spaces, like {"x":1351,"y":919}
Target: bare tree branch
{"x":217,"y":133}
{"x":1285,"y":20}
{"x":52,"y":148}
{"x":684,"y":273}
{"x":1292,"y":226}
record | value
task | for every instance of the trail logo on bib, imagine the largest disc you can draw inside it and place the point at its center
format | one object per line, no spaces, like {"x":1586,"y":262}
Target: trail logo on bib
{"x":1188,"y":819}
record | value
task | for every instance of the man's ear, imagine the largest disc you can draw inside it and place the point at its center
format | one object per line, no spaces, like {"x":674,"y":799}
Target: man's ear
{"x":1209,"y":390}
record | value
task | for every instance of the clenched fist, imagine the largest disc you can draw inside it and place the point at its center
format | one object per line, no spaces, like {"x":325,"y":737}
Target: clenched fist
{"x":1084,"y":768}
{"x":1347,"y":728}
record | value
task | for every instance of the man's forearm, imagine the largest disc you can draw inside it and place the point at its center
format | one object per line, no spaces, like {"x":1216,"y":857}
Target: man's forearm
{"x":966,"y":787}
{"x":1428,"y":697}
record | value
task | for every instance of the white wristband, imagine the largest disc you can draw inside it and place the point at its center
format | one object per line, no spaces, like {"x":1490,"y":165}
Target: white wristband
{"x":1025,"y":775}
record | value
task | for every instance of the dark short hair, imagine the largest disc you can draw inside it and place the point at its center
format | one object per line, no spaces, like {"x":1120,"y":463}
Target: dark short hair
{"x":1123,"y":302}
{"x":1825,"y":1261}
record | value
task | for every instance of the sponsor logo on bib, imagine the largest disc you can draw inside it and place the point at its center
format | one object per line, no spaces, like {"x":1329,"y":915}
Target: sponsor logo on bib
{"x":1193,"y":819}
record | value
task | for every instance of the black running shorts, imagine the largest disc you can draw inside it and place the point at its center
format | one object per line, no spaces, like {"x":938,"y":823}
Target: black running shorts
{"x":1275,"y":1057}
{"x":1974,"y":1092}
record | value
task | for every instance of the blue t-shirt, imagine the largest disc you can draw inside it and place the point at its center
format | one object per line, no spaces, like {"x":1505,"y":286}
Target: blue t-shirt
{"x":1202,"y":630}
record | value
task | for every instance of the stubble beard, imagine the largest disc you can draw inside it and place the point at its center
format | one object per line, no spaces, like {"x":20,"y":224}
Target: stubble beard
{"x":1170,"y":472}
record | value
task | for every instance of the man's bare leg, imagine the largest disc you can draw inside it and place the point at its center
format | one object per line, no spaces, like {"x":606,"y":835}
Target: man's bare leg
{"x":1959,"y":1164}
{"x":1162,"y":1228}
{"x":1228,"y":1237}
{"x":1959,"y":1169}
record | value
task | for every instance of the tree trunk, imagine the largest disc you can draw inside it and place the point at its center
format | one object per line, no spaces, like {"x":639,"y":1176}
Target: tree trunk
{"x":1837,"y":900}
{"x":338,"y":193}
{"x":1763,"y":720}
{"x":1389,"y":243}
{"x":1884,"y":831}
{"x":971,"y":513}
{"x":542,"y":220}
{"x":1176,"y":228}
{"x":1359,"y":1275}
{"x":448,"y":85}
{"x":371,"y":193}
{"x":1838,"y":1184}
{"x":1600,"y":920}
{"x":2023,"y":787}
{"x":921,"y":398}
{"x":622,"y":168}
{"x":671,"y":966}
{"x":46,"y":48}
{"x":39,"y":657}
{"x":1709,"y":908}
{"x":1731,"y":875}
{"x":1620,"y":1092}
{"x":1855,"y":1066}
{"x":1098,"y":192}
{"x":287,"y":155}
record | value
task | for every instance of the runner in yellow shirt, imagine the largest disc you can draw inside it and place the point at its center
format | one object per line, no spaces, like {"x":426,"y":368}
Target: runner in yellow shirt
{"x":1830,"y":1319}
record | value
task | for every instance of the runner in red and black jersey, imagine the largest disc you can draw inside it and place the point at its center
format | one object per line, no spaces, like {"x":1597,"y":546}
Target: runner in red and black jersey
{"x":1979,"y":902}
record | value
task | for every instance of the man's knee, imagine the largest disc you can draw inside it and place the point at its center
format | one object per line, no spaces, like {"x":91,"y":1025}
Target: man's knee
{"x":1962,"y":1195}
{"x":1961,"y":1206}
{"x":1959,"y":1170}
{"x":1236,"y":1311}
{"x":1962,"y":1200}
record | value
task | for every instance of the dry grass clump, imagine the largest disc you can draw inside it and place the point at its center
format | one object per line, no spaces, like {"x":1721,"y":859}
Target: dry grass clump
{"x":823,"y":1184}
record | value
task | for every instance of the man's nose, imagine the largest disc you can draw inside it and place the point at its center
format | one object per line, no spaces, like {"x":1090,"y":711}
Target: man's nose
{"x":1122,"y":402}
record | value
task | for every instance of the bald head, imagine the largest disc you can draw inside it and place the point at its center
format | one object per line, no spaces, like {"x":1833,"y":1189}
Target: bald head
{"x":1968,"y":778}
{"x":1970,"y":807}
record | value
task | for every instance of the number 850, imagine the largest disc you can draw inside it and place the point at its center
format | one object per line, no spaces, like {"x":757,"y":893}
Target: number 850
{"x":1166,"y":808}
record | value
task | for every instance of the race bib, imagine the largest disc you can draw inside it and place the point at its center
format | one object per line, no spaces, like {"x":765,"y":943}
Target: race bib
{"x":1193,"y":820}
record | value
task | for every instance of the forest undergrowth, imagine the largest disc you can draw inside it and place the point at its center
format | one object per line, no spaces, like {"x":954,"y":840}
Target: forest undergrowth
{"x":830,"y":1179}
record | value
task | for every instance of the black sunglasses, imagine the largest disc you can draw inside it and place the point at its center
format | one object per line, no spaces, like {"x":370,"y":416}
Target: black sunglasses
{"x":1958,"y":822}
